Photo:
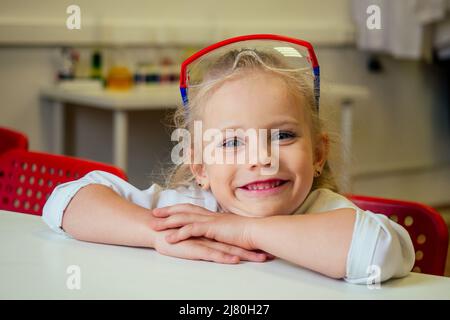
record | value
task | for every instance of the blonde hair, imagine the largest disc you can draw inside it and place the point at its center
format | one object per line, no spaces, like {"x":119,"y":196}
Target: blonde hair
{"x":297,"y":84}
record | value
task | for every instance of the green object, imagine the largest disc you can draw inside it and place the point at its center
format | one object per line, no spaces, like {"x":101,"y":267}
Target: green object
{"x":96,"y":65}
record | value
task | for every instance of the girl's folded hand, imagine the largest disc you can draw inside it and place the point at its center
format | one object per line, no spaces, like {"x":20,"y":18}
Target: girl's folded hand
{"x":204,"y":249}
{"x":195,"y":221}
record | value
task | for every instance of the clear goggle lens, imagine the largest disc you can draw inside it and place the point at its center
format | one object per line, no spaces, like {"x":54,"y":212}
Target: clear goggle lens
{"x":272,"y":54}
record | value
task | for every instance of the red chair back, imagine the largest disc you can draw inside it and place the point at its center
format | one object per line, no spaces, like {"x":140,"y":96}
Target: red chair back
{"x":10,"y":139}
{"x":425,"y":225}
{"x":28,"y":178}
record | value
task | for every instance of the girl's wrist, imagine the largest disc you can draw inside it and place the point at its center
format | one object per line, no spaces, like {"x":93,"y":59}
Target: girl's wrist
{"x":259,"y":231}
{"x":255,"y":231}
{"x":147,"y":232}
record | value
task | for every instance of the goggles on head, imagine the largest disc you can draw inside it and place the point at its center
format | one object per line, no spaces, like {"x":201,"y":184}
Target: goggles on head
{"x":274,"y":52}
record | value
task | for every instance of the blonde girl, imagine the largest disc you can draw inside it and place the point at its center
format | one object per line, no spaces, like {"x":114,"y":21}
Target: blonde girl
{"x":233,"y":211}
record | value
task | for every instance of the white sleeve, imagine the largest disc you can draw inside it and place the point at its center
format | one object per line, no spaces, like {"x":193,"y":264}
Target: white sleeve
{"x":380,"y":250}
{"x":60,"y":197}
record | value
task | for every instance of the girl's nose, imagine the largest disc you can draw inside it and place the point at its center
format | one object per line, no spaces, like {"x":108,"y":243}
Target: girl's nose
{"x":266,"y":160}
{"x":262,"y":155}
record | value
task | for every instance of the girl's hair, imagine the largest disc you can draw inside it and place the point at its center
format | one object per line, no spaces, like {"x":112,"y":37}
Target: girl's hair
{"x":298,"y":84}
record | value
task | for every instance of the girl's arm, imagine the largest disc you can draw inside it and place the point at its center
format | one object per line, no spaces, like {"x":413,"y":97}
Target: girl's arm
{"x":98,"y":214}
{"x":320,"y":242}
{"x":359,"y":246}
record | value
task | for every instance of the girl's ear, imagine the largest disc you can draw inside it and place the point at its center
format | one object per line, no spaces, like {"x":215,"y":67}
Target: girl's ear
{"x":199,"y":172}
{"x":322,"y":149}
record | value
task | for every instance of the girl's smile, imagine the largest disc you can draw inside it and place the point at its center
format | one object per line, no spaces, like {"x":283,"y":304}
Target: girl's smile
{"x":263,"y":188}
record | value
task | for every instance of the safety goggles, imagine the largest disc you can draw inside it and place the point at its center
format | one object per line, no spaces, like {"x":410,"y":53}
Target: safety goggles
{"x":278,"y":53}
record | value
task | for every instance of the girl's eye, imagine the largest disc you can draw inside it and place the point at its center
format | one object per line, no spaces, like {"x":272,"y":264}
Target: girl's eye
{"x":283,"y":135}
{"x":232,"y":143}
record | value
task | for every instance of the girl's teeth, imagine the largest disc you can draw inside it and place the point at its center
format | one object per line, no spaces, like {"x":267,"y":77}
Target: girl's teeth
{"x":264,"y":186}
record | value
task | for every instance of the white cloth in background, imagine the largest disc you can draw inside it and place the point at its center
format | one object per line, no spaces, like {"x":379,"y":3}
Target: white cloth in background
{"x":402,"y":25}
{"x":441,"y":41}
{"x":376,"y":240}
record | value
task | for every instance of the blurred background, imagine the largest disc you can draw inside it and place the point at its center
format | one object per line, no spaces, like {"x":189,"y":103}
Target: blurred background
{"x":103,"y":91}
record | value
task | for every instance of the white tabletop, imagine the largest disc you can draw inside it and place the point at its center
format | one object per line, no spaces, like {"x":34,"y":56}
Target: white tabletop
{"x":155,"y":96}
{"x":34,"y":261}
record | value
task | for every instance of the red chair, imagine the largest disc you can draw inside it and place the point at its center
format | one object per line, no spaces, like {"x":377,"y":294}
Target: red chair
{"x":28,"y":178}
{"x":10,"y":139}
{"x":425,"y":225}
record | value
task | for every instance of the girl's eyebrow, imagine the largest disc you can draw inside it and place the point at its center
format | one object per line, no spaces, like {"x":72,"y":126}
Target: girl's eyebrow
{"x":284,"y":123}
{"x":271,"y":125}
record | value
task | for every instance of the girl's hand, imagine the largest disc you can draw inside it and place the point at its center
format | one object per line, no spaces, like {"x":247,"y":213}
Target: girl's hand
{"x":204,"y":249}
{"x":195,"y":221}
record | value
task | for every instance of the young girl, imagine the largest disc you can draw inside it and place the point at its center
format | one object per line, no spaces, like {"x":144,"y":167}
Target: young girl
{"x":227,"y":212}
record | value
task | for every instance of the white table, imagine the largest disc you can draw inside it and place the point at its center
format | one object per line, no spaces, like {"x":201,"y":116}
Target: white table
{"x":34,"y":262}
{"x":152,"y":97}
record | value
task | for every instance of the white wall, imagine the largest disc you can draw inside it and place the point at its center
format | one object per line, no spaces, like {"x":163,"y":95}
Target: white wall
{"x":22,"y":73}
{"x":401,"y":136}
{"x":175,"y":21}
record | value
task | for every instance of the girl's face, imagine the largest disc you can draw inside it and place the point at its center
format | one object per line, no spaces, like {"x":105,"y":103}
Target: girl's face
{"x":260,"y":101}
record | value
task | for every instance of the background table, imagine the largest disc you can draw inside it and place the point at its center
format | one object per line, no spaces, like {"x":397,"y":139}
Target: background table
{"x":34,"y":261}
{"x":152,"y":97}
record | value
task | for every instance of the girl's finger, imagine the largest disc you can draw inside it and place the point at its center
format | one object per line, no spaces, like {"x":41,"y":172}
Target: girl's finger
{"x":188,"y":231}
{"x":235,"y":251}
{"x":178,"y":220}
{"x":201,"y":252}
{"x":180,"y":208}
{"x":155,"y":223}
{"x":160,"y":212}
{"x":269,"y":255}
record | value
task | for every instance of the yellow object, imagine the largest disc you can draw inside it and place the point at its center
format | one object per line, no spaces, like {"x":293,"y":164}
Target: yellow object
{"x":119,"y":78}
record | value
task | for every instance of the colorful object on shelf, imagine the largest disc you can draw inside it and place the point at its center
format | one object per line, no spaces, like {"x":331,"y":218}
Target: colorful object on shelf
{"x":119,"y":78}
{"x":67,"y":64}
{"x":96,"y":65}
{"x":169,"y":71}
